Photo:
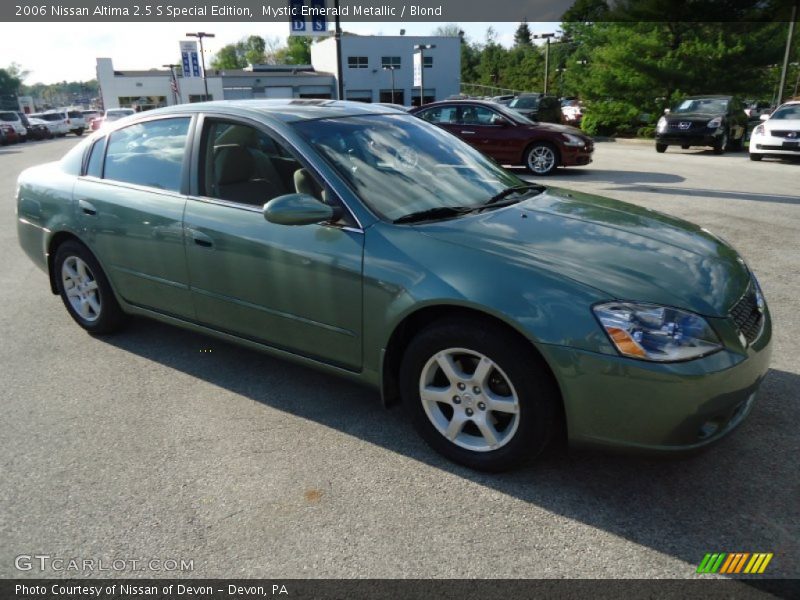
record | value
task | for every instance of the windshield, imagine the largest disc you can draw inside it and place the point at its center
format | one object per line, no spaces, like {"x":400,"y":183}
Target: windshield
{"x":52,"y":117}
{"x":702,"y":105}
{"x":399,"y":164}
{"x":792,"y":111}
{"x":524,"y":102}
{"x":9,"y":116}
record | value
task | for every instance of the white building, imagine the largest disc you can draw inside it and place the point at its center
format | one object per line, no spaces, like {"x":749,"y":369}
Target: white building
{"x":151,"y":89}
{"x":364,"y":59}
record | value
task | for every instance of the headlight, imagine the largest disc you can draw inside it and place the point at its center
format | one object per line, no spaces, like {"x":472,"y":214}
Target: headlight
{"x":759,"y":130}
{"x":656,"y":333}
{"x":661,"y":126}
{"x":572,"y":140}
{"x":714,"y":123}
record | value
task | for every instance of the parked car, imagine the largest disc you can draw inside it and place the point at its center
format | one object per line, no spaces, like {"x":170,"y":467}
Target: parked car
{"x":754,"y":110}
{"x":76,"y":121}
{"x":36,"y":128}
{"x":716,"y":121}
{"x":56,"y":121}
{"x":779,"y":135}
{"x":497,"y":310}
{"x":508,"y":137}
{"x":3,"y":135}
{"x":111,"y":115}
{"x":10,"y":135}
{"x":11,"y":117}
{"x":571,"y":111}
{"x":503,"y":99}
{"x":537,"y":107}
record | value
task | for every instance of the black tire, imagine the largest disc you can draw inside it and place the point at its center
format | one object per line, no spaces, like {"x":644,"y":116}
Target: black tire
{"x":542,"y":150}
{"x":661,"y":148}
{"x":537,"y":394}
{"x":78,"y":132}
{"x":685,"y":147}
{"x":722,"y":144}
{"x":110,"y":317}
{"x":756,"y":157}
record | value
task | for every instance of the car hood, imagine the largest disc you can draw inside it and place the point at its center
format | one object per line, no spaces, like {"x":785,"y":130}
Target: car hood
{"x":627,"y":252}
{"x":556,"y":128}
{"x":783,"y":124}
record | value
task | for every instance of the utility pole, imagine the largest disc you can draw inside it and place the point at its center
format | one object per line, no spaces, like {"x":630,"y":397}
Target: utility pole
{"x":785,"y":67}
{"x":546,"y":37}
{"x":392,"y":71}
{"x":200,"y":35}
{"x":338,"y":36}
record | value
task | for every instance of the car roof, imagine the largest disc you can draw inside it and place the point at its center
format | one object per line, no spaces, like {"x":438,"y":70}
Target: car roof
{"x":709,"y":96}
{"x":288,"y":110}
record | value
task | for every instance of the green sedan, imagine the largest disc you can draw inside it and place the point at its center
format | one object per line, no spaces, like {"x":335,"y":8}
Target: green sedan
{"x":368,"y":243}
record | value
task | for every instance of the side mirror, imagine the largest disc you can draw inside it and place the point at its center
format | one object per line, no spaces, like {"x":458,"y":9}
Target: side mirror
{"x":299,"y":209}
{"x":763,"y":117}
{"x":666,"y":111}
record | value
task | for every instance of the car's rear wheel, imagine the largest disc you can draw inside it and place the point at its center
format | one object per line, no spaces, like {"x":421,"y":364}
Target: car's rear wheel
{"x":478,"y":395}
{"x":541,"y":158}
{"x":756,"y":157}
{"x":661,"y":148}
{"x":85,"y":290}
{"x":685,"y":147}
{"x":78,"y":132}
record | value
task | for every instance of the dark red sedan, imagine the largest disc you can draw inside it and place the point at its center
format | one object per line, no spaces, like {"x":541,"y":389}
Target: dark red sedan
{"x":510,"y":138}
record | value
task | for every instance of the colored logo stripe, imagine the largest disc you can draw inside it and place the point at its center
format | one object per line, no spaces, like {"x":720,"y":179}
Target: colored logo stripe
{"x":733,"y":563}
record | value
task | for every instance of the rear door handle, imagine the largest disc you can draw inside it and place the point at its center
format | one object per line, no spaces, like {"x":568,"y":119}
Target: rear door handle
{"x":201,"y":239}
{"x":468,"y":132}
{"x":87,"y":207}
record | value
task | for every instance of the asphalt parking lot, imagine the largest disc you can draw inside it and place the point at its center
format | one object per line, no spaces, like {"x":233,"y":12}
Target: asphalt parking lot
{"x":158,"y":443}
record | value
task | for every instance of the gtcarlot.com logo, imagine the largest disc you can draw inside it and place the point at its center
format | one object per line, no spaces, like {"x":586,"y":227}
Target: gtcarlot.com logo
{"x":46,"y":562}
{"x":733,"y":563}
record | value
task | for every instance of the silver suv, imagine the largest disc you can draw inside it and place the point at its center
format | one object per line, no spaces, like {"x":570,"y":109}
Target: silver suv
{"x":12,"y":118}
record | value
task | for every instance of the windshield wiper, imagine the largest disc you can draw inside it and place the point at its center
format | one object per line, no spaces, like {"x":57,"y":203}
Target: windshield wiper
{"x":439,"y":212}
{"x":513,"y":190}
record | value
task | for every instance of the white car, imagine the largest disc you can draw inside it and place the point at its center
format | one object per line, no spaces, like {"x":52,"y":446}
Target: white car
{"x":779,"y":135}
{"x":12,"y":118}
{"x":57,"y":122}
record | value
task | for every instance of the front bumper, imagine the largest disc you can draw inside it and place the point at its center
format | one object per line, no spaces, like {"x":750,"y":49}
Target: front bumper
{"x":666,"y":408}
{"x":706,"y":137}
{"x":774,"y":146}
{"x":575,"y":156}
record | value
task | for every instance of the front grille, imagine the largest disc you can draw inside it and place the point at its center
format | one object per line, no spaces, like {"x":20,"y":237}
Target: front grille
{"x":746,"y":315}
{"x":784,"y":132}
{"x":675,"y":125}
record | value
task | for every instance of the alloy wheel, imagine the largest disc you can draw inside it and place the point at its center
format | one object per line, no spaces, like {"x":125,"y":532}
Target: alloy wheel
{"x":81,"y":289}
{"x":469,"y":399}
{"x":541,"y":159}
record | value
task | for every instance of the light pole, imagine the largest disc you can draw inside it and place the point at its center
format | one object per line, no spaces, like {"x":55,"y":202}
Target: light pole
{"x":174,"y":82}
{"x":546,"y":37}
{"x":785,"y":66}
{"x":337,"y":34}
{"x":200,"y":35}
{"x":392,"y":71}
{"x":422,"y":48}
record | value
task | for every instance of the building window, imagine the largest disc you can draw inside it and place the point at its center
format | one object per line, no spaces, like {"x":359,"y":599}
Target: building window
{"x":359,"y":95}
{"x":200,"y":98}
{"x":358,"y":62}
{"x":390,"y":61}
{"x":428,"y":62}
{"x":398,"y":97}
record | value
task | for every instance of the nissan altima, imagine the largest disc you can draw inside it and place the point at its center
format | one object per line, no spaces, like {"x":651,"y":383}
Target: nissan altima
{"x":368,"y":243}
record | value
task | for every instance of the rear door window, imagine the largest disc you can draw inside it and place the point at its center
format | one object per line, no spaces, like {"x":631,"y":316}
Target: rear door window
{"x":149,"y":154}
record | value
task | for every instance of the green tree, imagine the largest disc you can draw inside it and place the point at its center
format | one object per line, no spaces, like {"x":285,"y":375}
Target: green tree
{"x":228,"y":58}
{"x":9,"y":83}
{"x":522,"y":37}
{"x":296,"y":52}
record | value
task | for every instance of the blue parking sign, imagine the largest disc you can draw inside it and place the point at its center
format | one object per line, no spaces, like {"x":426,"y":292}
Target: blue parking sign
{"x":319,"y":22}
{"x":298,"y":21}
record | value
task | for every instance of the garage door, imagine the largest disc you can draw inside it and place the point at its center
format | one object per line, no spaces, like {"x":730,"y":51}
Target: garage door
{"x":279,"y":92}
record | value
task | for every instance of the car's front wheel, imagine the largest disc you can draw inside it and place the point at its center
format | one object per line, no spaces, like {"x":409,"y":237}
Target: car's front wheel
{"x":478,"y":395}
{"x":661,"y":148}
{"x":756,"y":157}
{"x":541,"y":158}
{"x":85,"y":290}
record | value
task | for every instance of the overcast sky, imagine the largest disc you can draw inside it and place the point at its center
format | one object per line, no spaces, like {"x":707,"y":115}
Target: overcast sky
{"x":55,"y":52}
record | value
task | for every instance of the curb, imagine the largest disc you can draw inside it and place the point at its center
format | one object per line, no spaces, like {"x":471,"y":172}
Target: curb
{"x":639,"y":141}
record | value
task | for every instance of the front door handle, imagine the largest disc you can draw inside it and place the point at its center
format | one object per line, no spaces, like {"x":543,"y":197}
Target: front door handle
{"x":468,"y":132}
{"x":87,"y":207}
{"x":200,"y":238}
